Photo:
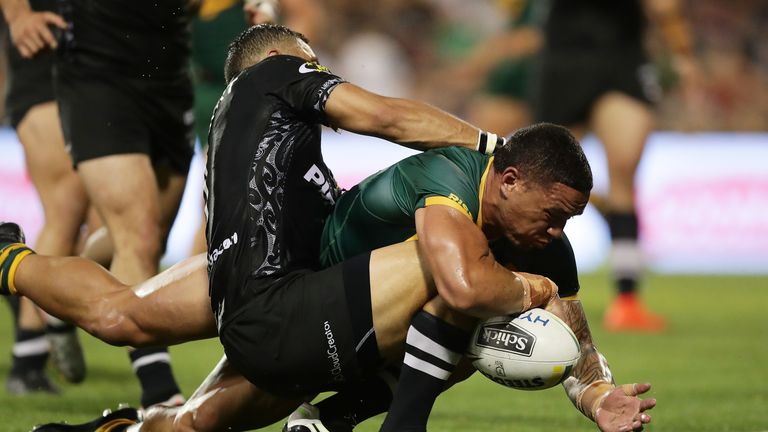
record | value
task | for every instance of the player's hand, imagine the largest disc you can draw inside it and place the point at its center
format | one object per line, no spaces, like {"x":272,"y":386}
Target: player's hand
{"x":555,"y":305}
{"x":623,"y":411}
{"x":30,"y":32}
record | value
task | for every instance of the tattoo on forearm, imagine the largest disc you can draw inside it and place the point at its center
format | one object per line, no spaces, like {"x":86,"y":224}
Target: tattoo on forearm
{"x":592,"y":367}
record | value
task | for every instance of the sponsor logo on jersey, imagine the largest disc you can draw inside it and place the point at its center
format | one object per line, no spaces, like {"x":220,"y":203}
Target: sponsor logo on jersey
{"x":458,"y":201}
{"x":316,"y":177}
{"x":333,"y":353}
{"x":228,"y":242}
{"x":313,"y":67}
{"x":507,"y":337}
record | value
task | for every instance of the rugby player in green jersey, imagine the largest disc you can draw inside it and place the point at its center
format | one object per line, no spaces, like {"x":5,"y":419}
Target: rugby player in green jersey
{"x":436,"y":197}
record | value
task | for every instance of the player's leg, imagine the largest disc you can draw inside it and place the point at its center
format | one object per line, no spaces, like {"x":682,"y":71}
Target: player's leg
{"x":172,"y":307}
{"x":399,"y":288}
{"x":342,"y":411}
{"x":64,"y":203}
{"x":224,"y":401}
{"x":171,"y":186}
{"x":623,"y":124}
{"x":30,"y":351}
{"x":61,"y":192}
{"x":130,"y":205}
{"x":96,"y":244}
{"x":434,"y":345}
{"x":433,"y":340}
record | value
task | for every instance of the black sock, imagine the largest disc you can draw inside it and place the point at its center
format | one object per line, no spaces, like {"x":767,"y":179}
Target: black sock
{"x":626,"y":257}
{"x":30,"y":351}
{"x":153,"y":368}
{"x":433,"y":348}
{"x":14,"y":304}
{"x":353,"y":405}
{"x":55,"y":325}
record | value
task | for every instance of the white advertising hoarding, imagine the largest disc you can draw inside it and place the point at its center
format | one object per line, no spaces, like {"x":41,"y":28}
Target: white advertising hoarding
{"x":702,"y":199}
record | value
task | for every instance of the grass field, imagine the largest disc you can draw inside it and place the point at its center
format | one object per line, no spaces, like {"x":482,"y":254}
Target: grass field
{"x":708,"y":371}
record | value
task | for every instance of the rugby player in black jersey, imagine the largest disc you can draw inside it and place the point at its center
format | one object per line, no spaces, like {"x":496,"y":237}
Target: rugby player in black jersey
{"x":288,"y":321}
{"x":125,"y":97}
{"x":596,"y":76}
{"x":31,"y":107}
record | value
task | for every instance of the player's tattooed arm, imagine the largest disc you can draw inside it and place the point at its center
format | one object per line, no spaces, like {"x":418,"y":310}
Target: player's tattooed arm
{"x":591,"y":379}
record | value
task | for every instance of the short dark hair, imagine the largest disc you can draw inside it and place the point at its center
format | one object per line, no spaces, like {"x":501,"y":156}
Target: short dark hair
{"x":546,"y":153}
{"x":250,"y":46}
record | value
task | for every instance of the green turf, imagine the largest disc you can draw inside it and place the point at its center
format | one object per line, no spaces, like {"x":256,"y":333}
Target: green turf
{"x":708,"y":371}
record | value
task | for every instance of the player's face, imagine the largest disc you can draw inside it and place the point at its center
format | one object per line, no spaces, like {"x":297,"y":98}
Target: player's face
{"x":534,"y":214}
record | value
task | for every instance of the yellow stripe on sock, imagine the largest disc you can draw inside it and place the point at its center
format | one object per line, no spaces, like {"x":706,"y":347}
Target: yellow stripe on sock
{"x":10,"y":248}
{"x":112,"y":424}
{"x":12,"y":271}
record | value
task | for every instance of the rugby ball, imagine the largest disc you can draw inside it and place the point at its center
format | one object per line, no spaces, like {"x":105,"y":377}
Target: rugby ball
{"x":534,"y":350}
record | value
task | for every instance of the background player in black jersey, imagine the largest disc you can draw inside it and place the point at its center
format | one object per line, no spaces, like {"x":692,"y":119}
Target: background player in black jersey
{"x":125,"y":101}
{"x":595,"y":76}
{"x":31,"y":105}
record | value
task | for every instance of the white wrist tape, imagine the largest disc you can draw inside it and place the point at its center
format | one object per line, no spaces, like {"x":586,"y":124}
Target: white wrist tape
{"x":487,"y":142}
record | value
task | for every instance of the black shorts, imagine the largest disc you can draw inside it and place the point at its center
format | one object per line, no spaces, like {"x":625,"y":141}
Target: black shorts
{"x":306,"y":333}
{"x":104,"y":114}
{"x":30,"y":81}
{"x":572,"y":81}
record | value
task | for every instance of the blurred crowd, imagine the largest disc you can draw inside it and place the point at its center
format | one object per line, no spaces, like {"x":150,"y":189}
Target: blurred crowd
{"x":422,"y":49}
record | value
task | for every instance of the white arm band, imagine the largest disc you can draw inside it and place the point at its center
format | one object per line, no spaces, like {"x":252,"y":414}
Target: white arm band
{"x":487,"y":142}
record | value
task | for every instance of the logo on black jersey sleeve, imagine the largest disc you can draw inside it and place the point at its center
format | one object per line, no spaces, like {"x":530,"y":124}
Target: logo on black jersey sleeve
{"x":313,"y":67}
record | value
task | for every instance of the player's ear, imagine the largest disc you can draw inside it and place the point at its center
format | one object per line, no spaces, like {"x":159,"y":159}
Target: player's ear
{"x":273,"y":52}
{"x":510,"y":176}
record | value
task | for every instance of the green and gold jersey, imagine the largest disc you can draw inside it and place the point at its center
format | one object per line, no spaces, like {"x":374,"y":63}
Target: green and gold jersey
{"x":381,"y":210}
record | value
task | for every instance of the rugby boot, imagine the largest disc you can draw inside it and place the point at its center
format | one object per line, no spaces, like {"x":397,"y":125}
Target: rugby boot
{"x":12,"y":251}
{"x":20,"y":383}
{"x":306,"y":418}
{"x":110,"y":421}
{"x":66,"y":351}
{"x":628,"y":314}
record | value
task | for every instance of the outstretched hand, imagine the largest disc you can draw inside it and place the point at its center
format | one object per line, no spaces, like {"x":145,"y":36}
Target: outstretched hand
{"x":623,"y":411}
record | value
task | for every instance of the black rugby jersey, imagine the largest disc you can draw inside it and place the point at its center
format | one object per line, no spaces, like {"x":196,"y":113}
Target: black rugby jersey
{"x":268,"y":189}
{"x":591,"y":24}
{"x":136,"y":38}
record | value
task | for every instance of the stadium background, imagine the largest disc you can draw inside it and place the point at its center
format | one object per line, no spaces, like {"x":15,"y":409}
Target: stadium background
{"x":703,"y":203}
